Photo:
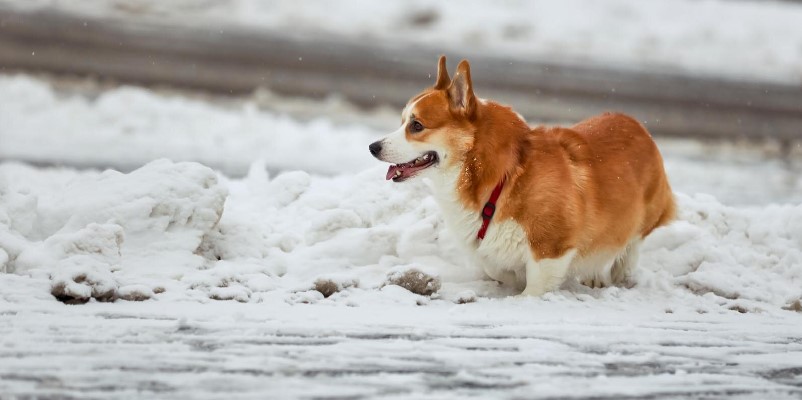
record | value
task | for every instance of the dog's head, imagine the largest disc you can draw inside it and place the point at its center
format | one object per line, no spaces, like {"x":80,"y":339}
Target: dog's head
{"x":437,"y":127}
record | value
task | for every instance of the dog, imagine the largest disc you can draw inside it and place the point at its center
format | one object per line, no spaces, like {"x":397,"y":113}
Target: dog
{"x":533,"y":206}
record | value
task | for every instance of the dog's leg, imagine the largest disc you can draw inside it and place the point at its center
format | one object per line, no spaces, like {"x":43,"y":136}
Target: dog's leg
{"x":507,"y":278}
{"x":593,"y":270}
{"x":624,"y":264}
{"x":546,"y":274}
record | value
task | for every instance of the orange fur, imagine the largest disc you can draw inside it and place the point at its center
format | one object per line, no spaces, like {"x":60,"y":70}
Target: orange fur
{"x":591,"y":187}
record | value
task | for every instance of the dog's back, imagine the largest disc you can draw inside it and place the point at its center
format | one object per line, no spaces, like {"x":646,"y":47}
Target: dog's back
{"x":597,"y":188}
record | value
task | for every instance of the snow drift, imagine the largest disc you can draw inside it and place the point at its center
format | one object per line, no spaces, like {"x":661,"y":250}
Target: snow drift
{"x":99,"y":230}
{"x":179,"y":231}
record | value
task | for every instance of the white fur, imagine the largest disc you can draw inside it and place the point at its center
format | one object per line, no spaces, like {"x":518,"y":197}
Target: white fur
{"x":505,"y":249}
{"x":608,"y":268}
{"x":547,"y":274}
{"x":593,"y":270}
{"x":395,"y":147}
{"x":626,"y":262}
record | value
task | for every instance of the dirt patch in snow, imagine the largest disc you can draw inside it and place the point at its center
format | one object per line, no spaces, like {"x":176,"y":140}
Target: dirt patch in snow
{"x":795,"y":306}
{"x":81,"y":288}
{"x":416,"y":281}
{"x":328,"y":286}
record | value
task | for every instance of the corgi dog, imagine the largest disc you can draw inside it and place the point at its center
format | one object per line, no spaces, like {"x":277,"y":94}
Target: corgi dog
{"x":534,"y":206}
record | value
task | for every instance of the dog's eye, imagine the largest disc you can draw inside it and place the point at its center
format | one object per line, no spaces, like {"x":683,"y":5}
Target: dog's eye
{"x":415,"y":127}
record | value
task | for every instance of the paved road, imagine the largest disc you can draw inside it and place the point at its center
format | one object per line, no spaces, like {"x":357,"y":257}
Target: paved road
{"x":235,"y":60}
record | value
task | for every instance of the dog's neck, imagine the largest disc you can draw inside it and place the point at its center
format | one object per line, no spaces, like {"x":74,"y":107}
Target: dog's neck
{"x":496,"y":154}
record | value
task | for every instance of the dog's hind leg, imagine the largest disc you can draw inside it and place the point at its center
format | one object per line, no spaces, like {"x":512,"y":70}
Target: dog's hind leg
{"x":593,"y":270}
{"x":625,"y":263}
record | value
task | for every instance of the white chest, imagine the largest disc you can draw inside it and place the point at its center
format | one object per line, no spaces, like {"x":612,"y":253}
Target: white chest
{"x":504,"y":249}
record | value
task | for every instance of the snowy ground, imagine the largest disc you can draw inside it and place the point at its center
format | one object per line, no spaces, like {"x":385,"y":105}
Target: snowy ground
{"x":216,"y":277}
{"x":591,"y":346}
{"x":760,"y":40}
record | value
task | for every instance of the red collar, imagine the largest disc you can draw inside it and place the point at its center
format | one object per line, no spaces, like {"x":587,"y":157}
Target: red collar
{"x":489,"y":209}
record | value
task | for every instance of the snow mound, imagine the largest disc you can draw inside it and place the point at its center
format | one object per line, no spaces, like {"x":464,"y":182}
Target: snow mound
{"x":96,"y":231}
{"x":162,"y":232}
{"x":749,"y":253}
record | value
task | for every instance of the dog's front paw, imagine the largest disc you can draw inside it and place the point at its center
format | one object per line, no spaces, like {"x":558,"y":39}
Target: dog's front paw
{"x":533,"y":292}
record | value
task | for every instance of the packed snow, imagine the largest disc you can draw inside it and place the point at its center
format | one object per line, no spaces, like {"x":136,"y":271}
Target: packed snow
{"x":308,"y":275}
{"x":756,"y":40}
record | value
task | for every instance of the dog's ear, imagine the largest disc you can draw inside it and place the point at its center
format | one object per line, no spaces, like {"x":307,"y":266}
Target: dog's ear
{"x":442,"y":75}
{"x":460,"y":91}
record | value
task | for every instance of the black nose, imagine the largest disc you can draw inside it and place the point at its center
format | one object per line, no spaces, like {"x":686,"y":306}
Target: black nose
{"x":375,"y":148}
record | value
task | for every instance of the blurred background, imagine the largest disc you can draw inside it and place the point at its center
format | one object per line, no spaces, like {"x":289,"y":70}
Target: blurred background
{"x":96,"y":84}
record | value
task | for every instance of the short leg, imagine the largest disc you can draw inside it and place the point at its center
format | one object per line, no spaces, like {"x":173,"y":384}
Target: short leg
{"x":624,"y":264}
{"x":507,"y":278}
{"x":595,"y":282}
{"x":597,"y":276}
{"x":546,"y":274}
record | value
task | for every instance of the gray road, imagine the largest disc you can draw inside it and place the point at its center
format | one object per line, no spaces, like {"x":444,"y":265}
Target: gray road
{"x":235,"y":60}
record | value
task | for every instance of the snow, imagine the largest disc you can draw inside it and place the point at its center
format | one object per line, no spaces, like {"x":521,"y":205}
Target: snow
{"x":165,"y":226}
{"x":492,"y":349}
{"x":706,"y":315}
{"x":756,"y":40}
{"x":126,"y":127}
{"x":293,"y":280}
{"x":129,"y":126}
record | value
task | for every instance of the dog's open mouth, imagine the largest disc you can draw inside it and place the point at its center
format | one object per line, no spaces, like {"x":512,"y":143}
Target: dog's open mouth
{"x":402,"y":172}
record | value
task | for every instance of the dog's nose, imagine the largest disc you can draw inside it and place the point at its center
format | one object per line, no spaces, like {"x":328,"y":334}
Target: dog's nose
{"x":375,"y":148}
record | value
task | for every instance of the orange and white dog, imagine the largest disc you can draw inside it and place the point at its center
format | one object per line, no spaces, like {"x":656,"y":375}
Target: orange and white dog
{"x":563,"y":201}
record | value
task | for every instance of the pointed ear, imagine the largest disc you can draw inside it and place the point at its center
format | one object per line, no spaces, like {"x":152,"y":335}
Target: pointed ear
{"x":442,"y":75}
{"x":460,"y":92}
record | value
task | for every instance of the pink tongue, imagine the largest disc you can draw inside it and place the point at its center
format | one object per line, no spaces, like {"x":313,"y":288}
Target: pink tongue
{"x":391,"y":171}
